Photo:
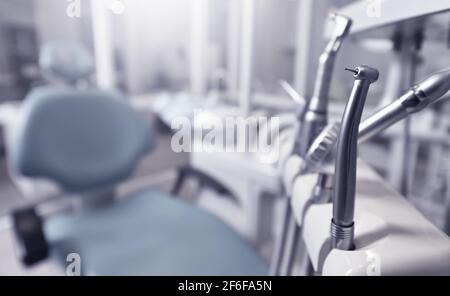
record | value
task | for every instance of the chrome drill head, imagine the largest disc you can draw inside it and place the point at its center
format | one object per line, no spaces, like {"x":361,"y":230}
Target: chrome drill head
{"x":365,"y":73}
{"x":342,"y":25}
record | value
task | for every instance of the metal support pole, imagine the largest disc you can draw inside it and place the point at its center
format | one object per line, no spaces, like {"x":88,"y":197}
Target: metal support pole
{"x":103,"y":44}
{"x":233,"y":38}
{"x":247,"y":23}
{"x":292,"y":240}
{"x":198,"y":45}
{"x":402,"y":171}
{"x":280,"y":241}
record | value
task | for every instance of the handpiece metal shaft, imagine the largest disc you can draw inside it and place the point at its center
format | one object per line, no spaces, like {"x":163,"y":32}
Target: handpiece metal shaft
{"x":416,"y":99}
{"x":345,"y":170}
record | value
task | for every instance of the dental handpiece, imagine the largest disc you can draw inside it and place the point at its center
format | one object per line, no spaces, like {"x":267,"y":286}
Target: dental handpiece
{"x":342,"y":226}
{"x":314,"y":117}
{"x":414,"y":100}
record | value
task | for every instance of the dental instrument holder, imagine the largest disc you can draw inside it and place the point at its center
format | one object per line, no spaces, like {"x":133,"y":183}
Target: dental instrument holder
{"x":342,"y":225}
{"x":323,"y":190}
{"x":313,"y":118}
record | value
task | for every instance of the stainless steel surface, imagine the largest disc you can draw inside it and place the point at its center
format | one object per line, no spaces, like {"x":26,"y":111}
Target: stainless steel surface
{"x":342,"y":236}
{"x":416,"y":99}
{"x":381,"y":120}
{"x":345,"y":168}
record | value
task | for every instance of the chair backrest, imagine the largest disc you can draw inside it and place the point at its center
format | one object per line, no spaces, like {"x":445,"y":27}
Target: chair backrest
{"x":83,"y":140}
{"x":66,"y":61}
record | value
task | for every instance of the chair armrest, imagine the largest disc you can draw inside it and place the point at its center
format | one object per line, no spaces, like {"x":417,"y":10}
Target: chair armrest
{"x":32,"y":246}
{"x":186,"y":172}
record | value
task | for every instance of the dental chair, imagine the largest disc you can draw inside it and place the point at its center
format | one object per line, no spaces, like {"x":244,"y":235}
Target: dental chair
{"x":66,"y":62}
{"x":87,"y":141}
{"x":62,"y":63}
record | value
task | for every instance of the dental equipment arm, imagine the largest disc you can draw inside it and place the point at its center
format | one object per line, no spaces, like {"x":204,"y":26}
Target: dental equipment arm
{"x":414,"y":100}
{"x":342,"y":226}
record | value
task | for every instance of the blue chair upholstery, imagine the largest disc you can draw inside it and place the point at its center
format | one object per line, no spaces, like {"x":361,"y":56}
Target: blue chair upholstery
{"x":152,"y":234}
{"x":83,"y":140}
{"x":86,"y":140}
{"x":66,"y":60}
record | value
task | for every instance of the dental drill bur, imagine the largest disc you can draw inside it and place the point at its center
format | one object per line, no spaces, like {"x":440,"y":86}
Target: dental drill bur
{"x":342,"y":226}
{"x":417,"y":98}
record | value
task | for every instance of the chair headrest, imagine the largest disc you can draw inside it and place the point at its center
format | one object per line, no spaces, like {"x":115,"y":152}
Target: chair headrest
{"x":83,"y":140}
{"x":66,"y":61}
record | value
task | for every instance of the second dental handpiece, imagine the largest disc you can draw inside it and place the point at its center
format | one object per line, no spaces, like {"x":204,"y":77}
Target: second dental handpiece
{"x":314,"y":117}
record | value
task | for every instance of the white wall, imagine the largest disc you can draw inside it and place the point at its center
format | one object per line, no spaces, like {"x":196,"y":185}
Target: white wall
{"x":53,"y":23}
{"x":155,"y":33}
{"x":275,"y":32}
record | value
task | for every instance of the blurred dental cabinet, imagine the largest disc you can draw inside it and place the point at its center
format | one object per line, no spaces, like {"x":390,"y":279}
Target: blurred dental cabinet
{"x":224,"y":137}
